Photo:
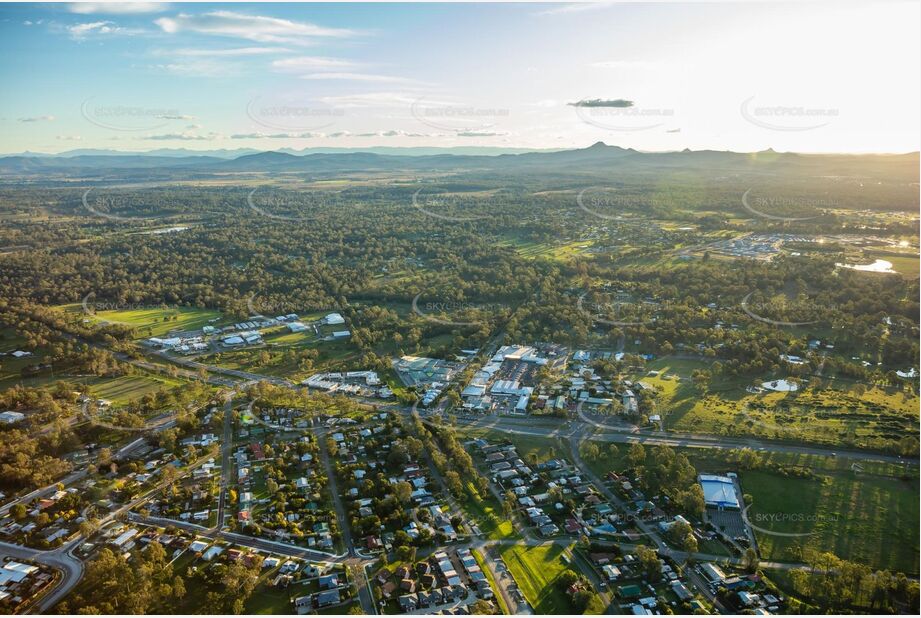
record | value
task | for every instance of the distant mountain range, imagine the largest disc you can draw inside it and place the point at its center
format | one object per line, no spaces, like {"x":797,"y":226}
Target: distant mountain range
{"x":598,"y":158}
{"x":233,"y":154}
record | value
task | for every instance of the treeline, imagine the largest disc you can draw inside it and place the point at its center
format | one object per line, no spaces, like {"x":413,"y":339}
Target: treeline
{"x":840,"y":586}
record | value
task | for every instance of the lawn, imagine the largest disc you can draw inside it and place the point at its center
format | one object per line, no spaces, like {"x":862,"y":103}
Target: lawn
{"x":151,"y":321}
{"x":860,"y":517}
{"x":125,"y":389}
{"x":489,"y":517}
{"x":269,"y":600}
{"x":536,"y":570}
{"x":333,"y":355}
{"x":534,"y":250}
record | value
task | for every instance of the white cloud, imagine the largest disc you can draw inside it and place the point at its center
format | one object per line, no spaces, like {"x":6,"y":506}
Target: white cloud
{"x":82,"y":31}
{"x":481,"y":134}
{"x":359,"y":77}
{"x":576,"y":7}
{"x":221,"y":53}
{"x":117,"y":8}
{"x":174,"y":117}
{"x":251,"y":27}
{"x":275,"y":135}
{"x":310,"y":63}
{"x":200,"y":67}
{"x":371,"y":99}
{"x":393,"y":133}
{"x":625,"y":64}
{"x":184,"y":136}
{"x":37,"y":119}
{"x":202,"y":62}
{"x":388,"y":133}
{"x":68,"y":138}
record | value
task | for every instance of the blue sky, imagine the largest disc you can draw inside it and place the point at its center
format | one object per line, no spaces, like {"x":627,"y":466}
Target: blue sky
{"x":807,"y":77}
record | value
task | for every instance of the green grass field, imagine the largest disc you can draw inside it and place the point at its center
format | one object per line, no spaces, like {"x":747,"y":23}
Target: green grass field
{"x":535,"y":570}
{"x":863,"y":518}
{"x":535,"y":250}
{"x":129,"y":388}
{"x":119,"y":390}
{"x":489,"y":517}
{"x":150,"y":321}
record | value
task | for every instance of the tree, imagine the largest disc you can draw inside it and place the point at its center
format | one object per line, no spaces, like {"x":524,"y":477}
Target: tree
{"x":403,"y":492}
{"x":238,"y":584}
{"x":649,"y":561}
{"x":178,"y":587}
{"x":567,"y":578}
{"x":482,"y":607}
{"x":19,"y":511}
{"x":636,"y":455}
{"x":406,"y":553}
{"x":88,"y":527}
{"x":589,"y":450}
{"x":750,"y":560}
{"x":581,"y":599}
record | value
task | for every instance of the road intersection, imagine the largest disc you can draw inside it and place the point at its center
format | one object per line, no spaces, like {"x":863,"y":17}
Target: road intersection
{"x":572,"y":430}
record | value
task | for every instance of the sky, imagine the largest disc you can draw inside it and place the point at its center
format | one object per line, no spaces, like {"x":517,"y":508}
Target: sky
{"x":805,"y":77}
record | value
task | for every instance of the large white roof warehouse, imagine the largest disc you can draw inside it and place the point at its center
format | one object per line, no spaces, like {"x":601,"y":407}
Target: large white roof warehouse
{"x":719,"y":491}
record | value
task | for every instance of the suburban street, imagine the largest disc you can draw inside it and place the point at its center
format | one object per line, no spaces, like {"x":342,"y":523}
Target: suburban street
{"x":572,"y":431}
{"x":69,"y":567}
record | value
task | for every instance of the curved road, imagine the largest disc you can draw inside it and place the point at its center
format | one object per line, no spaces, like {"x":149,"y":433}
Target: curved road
{"x":62,"y":559}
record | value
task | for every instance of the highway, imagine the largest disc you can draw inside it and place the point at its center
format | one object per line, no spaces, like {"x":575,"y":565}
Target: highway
{"x":554,"y":429}
{"x":584,"y":427}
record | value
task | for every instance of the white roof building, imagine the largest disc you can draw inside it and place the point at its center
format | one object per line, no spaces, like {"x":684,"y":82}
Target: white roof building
{"x":9,"y":417}
{"x":124,"y":537}
{"x":719,"y":491}
{"x":15,"y":572}
{"x":197,"y":546}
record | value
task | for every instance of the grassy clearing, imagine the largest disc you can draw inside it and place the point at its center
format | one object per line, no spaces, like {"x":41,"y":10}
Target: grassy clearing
{"x":877,"y":419}
{"x":488,"y":515}
{"x":837,"y":415}
{"x":125,"y":389}
{"x":279,"y":357}
{"x":536,"y":570}
{"x":150,"y":321}
{"x":535,"y":250}
{"x":909,"y":266}
{"x":862,"y":518}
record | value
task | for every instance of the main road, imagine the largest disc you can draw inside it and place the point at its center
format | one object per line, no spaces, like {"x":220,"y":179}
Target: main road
{"x":563,"y":429}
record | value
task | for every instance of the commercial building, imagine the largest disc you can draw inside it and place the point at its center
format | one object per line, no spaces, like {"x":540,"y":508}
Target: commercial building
{"x":719,"y":491}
